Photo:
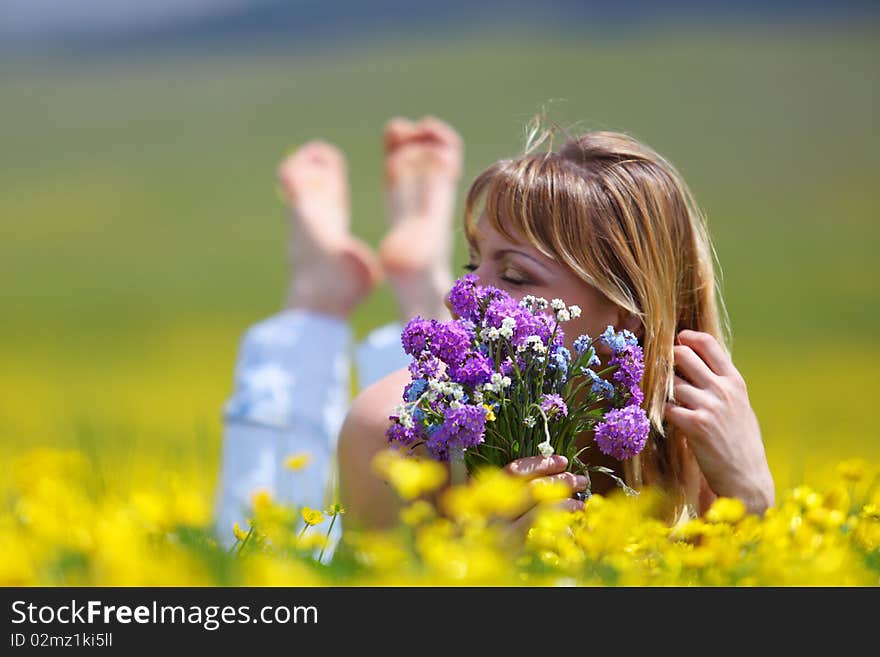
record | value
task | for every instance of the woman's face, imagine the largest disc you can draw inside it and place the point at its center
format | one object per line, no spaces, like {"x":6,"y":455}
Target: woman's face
{"x":520,"y":269}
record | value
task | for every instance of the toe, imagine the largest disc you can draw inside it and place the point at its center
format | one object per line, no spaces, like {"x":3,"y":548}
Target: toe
{"x":397,"y":131}
{"x":433,"y":128}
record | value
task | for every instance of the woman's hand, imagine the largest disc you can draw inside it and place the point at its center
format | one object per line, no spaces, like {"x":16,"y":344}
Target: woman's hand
{"x":712,"y":409}
{"x":546,"y":468}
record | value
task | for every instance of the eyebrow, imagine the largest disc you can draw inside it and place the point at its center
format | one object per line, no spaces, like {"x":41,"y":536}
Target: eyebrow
{"x":499,"y":254}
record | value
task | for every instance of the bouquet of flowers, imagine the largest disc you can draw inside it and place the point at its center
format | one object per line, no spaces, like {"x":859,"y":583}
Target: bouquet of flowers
{"x":498,"y":384}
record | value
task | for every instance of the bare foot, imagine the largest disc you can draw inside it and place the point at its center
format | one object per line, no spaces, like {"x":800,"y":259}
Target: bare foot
{"x":422,"y":168}
{"x":331,"y":271}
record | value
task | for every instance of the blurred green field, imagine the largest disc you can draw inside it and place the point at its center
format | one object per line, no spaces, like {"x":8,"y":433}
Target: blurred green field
{"x":140,"y":232}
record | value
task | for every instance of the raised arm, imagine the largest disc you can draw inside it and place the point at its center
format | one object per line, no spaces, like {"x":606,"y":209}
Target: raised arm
{"x":714,"y":411}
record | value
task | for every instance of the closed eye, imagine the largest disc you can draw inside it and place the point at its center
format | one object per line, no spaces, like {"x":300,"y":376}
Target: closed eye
{"x":513,"y":281}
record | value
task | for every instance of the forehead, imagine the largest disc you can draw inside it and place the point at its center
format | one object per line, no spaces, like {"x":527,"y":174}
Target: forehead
{"x":486,"y":239}
{"x":484,"y":233}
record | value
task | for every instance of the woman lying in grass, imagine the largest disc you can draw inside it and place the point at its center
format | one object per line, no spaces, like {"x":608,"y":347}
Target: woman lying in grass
{"x":604,"y":223}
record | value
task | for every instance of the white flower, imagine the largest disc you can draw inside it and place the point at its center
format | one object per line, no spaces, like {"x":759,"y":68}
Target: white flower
{"x":563,"y":315}
{"x":546,"y":449}
{"x":492,"y":334}
{"x":505,"y":382}
{"x":404,"y":416}
{"x":496,"y":378}
{"x":478,"y":397}
{"x":575,"y":311}
{"x":537,"y":345}
{"x":507,"y":326}
{"x":455,"y":405}
{"x":529,"y":421}
{"x":527,"y":301}
{"x":557,"y":304}
{"x":540,"y":303}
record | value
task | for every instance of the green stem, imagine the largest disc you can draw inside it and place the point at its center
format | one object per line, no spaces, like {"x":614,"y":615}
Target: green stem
{"x":329,"y":529}
{"x":245,"y":541}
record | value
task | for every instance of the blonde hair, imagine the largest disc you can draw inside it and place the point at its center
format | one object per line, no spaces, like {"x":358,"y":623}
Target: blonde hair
{"x":620,"y":216}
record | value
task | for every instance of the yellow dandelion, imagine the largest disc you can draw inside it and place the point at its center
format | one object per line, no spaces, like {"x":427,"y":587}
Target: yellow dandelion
{"x":549,"y":490}
{"x":239,"y":533}
{"x":312,"y":516}
{"x":417,"y":513}
{"x":726,"y":510}
{"x":411,"y":477}
{"x":852,"y":469}
{"x":297,"y":462}
{"x":261,"y":500}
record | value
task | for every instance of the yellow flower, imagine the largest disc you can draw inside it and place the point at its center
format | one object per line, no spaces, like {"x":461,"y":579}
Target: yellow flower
{"x":298,"y":461}
{"x":335,"y":509}
{"x":549,"y":490}
{"x":726,"y":510}
{"x":312,"y":541}
{"x":261,"y":500}
{"x":491,"y":492}
{"x":490,"y":414}
{"x":410,"y":476}
{"x":417,"y":513}
{"x":852,"y":469}
{"x":312,"y":516}
{"x":870,"y":512}
{"x":240,"y":534}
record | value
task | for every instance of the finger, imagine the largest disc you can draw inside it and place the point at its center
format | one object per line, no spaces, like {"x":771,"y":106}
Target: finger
{"x":708,"y":348}
{"x":537,"y":466}
{"x":684,"y":419}
{"x":691,"y":367}
{"x":687,"y":395}
{"x":571,"y":505}
{"x":573,"y":481}
{"x":527,"y":519}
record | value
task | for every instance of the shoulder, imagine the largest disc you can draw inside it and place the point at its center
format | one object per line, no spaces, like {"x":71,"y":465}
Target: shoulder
{"x":367,"y":418}
{"x":368,"y":500}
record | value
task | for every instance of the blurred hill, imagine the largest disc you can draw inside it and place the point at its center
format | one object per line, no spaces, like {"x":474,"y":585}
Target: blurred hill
{"x":89,"y":25}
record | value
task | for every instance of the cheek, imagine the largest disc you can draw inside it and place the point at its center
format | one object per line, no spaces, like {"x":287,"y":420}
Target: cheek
{"x":593,"y":321}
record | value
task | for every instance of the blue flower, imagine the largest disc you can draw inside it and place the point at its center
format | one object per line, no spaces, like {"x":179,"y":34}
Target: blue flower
{"x":581,"y":344}
{"x":600,"y":386}
{"x":415,"y":389}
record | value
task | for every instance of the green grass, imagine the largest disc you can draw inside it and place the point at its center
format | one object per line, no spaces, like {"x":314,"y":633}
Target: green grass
{"x":140,"y":232}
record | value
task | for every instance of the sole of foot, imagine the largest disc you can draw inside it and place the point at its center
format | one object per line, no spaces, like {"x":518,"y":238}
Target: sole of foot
{"x":331,"y":270}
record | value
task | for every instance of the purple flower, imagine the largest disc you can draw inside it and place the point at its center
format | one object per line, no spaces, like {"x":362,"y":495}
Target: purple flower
{"x":416,"y":335}
{"x":540,"y":324}
{"x":397,"y":433}
{"x":462,"y":428}
{"x":426,"y":367}
{"x":463,"y":298}
{"x":623,"y":433}
{"x":553,"y":406}
{"x":500,"y":307}
{"x":450,"y":342}
{"x":636,"y":396}
{"x":631,"y":365}
{"x":475,"y":370}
